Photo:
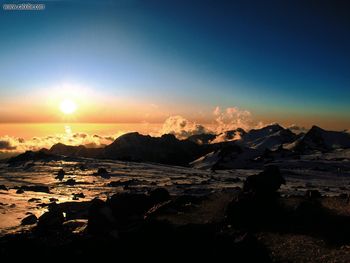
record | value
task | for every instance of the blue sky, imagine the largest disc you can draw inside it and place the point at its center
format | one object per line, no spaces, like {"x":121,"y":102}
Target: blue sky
{"x":274,"y":58}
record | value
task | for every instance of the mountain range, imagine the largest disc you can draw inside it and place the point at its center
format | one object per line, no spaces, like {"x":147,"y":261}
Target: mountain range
{"x":230,"y":149}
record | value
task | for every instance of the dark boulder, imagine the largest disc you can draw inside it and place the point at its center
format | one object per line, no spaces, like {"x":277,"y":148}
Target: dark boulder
{"x":103,"y":173}
{"x":60,"y":175}
{"x":34,"y":200}
{"x":20,"y":191}
{"x":266,"y":182}
{"x":35,"y":188}
{"x":70,"y":182}
{"x":42,"y":154}
{"x":3,"y":187}
{"x":159,"y":195}
{"x":29,"y":220}
{"x":76,"y":196}
{"x":51,"y":220}
{"x":101,"y":221}
{"x":258,"y":205}
{"x":128,"y":208}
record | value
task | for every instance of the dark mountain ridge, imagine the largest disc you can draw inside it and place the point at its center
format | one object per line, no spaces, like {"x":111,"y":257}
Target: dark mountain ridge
{"x":169,"y":150}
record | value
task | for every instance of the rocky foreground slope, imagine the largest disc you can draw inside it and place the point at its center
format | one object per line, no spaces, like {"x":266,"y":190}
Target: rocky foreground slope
{"x":254,"y":223}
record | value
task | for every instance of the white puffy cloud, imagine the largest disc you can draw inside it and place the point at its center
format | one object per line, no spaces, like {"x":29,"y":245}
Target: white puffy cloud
{"x":232,"y":118}
{"x":181,"y":127}
{"x":13,"y":144}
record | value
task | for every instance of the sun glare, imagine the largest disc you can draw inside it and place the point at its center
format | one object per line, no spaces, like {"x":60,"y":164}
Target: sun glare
{"x":68,"y":106}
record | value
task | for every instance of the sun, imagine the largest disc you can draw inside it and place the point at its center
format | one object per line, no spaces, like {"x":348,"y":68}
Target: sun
{"x":68,"y":106}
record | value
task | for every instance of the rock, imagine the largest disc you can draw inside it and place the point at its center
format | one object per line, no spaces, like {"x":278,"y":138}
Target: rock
{"x":34,"y":200}
{"x":42,"y":154}
{"x":51,"y":220}
{"x":116,"y":184}
{"x":29,"y":220}
{"x":36,"y":188}
{"x":3,"y":187}
{"x":77,"y":196}
{"x":52,"y":199}
{"x":159,"y":195}
{"x":103,"y":173}
{"x":60,"y":175}
{"x":258,"y":204}
{"x":101,"y":221}
{"x":127,"y":207}
{"x":20,"y":191}
{"x":70,"y":182}
{"x":266,"y":182}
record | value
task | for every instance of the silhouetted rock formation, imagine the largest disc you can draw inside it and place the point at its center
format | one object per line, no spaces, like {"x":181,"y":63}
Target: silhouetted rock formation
{"x":265,"y":183}
{"x":29,"y":220}
{"x":42,"y":154}
{"x":75,"y":151}
{"x":258,"y":204}
{"x":51,"y":220}
{"x":60,"y":175}
{"x":166,"y":149}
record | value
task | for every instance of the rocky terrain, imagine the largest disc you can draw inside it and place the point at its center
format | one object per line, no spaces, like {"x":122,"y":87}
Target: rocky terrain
{"x":266,"y":195}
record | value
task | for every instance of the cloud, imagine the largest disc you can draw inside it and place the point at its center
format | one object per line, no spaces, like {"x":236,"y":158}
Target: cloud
{"x":225,"y":119}
{"x":232,"y":118}
{"x":6,"y":145}
{"x":297,"y":129}
{"x":181,"y":127}
{"x":10,"y":144}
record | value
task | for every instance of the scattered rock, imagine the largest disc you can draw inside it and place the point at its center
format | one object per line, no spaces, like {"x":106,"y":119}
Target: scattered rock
{"x":36,"y":188}
{"x":103,"y":173}
{"x":29,"y":220}
{"x":3,"y":187}
{"x":60,"y":175}
{"x":258,"y":203}
{"x":51,"y":220}
{"x":34,"y":200}
{"x":116,"y":184}
{"x":266,"y":182}
{"x":101,"y":221}
{"x":20,"y":191}
{"x":128,"y":208}
{"x":77,"y":196}
{"x":52,"y":199}
{"x":70,"y":182}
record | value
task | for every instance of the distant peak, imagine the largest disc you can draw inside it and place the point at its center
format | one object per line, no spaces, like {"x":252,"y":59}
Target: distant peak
{"x":314,"y":127}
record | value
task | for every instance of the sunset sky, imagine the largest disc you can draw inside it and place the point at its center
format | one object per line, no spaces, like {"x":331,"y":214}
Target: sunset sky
{"x":143,"y":61}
